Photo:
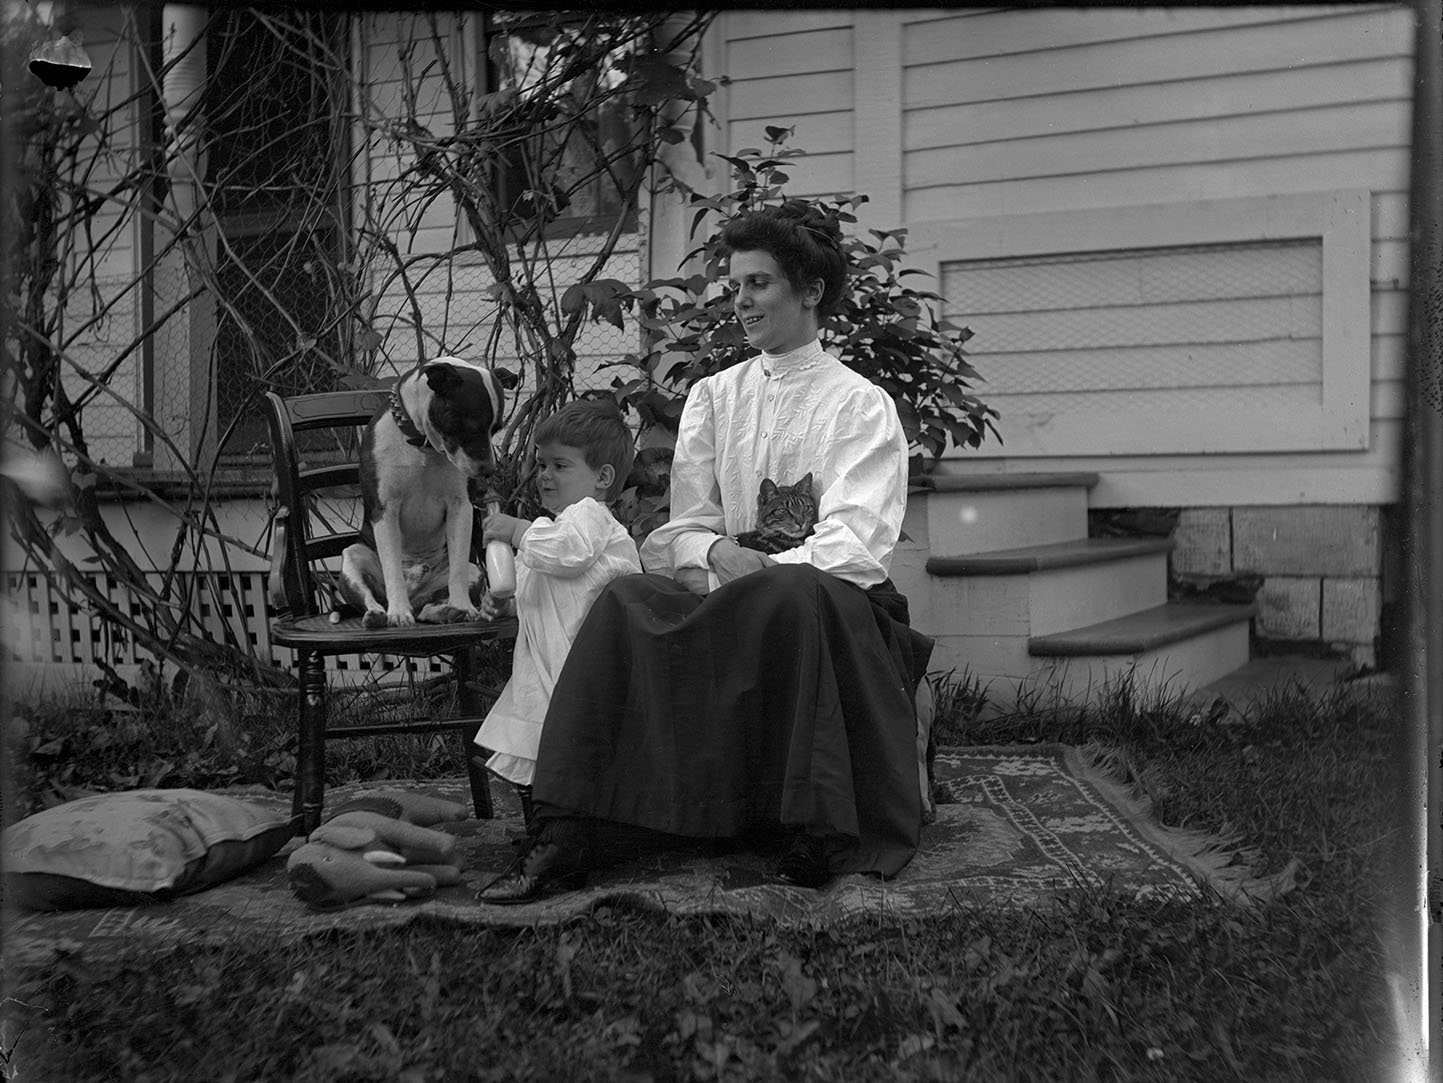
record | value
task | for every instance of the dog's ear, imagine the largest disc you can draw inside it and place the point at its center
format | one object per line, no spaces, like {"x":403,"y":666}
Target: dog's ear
{"x":442,"y":377}
{"x":506,"y":378}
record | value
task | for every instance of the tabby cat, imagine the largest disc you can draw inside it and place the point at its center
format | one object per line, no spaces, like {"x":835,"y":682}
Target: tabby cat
{"x":786,"y":515}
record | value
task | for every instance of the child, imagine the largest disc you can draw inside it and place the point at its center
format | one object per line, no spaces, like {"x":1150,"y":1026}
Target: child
{"x":584,"y":452}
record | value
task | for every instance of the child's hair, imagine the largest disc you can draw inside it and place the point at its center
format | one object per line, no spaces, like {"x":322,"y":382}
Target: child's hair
{"x":804,"y":240}
{"x":596,"y":429}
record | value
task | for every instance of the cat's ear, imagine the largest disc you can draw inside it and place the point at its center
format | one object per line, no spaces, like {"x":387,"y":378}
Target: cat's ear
{"x":806,"y":482}
{"x":768,"y":490}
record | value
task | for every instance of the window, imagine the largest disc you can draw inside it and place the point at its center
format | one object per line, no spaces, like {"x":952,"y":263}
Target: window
{"x":570,"y":168}
{"x":276,"y":141}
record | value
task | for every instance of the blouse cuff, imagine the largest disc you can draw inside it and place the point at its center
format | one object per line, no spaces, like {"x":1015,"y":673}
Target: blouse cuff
{"x":690,"y":550}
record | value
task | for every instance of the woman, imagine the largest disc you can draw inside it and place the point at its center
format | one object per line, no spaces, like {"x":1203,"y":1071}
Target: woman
{"x":727,"y":693}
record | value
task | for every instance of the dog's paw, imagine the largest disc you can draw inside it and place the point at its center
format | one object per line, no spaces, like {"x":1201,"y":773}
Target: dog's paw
{"x":406,"y":619}
{"x":374,"y":618}
{"x":444,"y":613}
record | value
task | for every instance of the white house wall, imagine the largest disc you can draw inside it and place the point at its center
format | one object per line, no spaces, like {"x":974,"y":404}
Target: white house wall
{"x":453,"y":310}
{"x":1009,"y":120}
{"x":98,"y":324}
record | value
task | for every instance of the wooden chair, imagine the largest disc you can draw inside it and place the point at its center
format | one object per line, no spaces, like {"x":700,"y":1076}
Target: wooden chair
{"x":302,"y":537}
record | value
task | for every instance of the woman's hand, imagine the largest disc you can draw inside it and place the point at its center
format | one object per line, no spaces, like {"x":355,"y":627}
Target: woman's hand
{"x":730,"y":561}
{"x":694,"y":580}
{"x":505,"y":528}
{"x":493,"y":608}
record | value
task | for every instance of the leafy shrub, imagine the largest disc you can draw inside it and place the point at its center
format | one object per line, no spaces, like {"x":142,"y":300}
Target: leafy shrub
{"x":888,"y":331}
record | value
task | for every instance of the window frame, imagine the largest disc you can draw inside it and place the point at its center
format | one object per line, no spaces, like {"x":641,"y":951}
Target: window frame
{"x":1340,"y":219}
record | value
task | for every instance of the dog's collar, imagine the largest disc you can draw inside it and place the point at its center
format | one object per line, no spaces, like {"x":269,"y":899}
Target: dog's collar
{"x":414,"y":436}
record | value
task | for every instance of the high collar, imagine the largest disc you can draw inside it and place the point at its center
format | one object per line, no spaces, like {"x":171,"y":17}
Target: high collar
{"x":798,"y":360}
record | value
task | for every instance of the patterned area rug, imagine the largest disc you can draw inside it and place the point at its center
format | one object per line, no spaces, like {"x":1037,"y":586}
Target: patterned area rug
{"x":1022,"y":825}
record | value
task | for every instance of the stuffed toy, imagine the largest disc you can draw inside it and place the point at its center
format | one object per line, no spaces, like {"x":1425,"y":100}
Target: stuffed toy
{"x":378,"y":848}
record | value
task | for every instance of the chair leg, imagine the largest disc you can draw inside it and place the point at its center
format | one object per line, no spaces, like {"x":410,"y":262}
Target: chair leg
{"x":463,"y":666}
{"x":480,"y":780}
{"x":311,"y":743}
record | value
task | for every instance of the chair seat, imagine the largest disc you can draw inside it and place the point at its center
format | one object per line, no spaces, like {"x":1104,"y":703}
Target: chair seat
{"x":348,"y":636}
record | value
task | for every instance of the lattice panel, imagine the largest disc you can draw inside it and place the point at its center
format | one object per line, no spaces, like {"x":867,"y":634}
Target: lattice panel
{"x":40,"y":626}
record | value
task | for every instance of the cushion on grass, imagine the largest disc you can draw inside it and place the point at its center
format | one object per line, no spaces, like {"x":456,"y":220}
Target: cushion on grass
{"x":120,"y":849}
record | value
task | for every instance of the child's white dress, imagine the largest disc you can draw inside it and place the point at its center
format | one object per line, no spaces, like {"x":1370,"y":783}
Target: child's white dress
{"x":561,"y":566}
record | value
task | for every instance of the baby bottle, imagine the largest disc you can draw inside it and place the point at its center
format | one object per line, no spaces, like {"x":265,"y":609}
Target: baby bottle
{"x":500,"y":560}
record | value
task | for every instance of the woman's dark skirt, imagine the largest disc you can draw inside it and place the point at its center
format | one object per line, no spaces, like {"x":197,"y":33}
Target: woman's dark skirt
{"x":785,"y":698}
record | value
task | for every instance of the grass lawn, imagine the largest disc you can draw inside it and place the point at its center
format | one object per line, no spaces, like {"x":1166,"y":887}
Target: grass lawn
{"x":1096,"y":988}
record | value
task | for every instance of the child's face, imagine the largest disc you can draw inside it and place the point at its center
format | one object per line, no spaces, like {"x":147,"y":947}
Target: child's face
{"x":564,"y":478}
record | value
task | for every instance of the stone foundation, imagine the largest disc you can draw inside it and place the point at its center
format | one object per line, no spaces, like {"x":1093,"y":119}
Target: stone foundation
{"x":1321,"y":568}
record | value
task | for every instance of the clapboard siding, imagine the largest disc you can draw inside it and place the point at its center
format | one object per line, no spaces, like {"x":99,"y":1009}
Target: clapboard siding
{"x":997,"y":35}
{"x":792,"y":70}
{"x":823,"y":92}
{"x":798,"y":25}
{"x":1256,"y":94}
{"x":1026,"y":112}
{"x":821,"y":50}
{"x":453,"y":310}
{"x":1223,"y":140}
{"x":1220,"y":49}
{"x":1201,"y":180}
{"x":101,"y":322}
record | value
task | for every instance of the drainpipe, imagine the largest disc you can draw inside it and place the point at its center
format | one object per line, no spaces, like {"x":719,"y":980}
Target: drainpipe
{"x":1416,"y":972}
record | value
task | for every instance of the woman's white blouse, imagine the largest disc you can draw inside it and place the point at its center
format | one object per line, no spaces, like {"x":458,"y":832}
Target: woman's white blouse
{"x":780,"y":417}
{"x":562,"y":564}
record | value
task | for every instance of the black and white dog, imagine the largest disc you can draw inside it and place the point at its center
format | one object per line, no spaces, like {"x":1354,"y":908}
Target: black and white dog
{"x":417,"y":456}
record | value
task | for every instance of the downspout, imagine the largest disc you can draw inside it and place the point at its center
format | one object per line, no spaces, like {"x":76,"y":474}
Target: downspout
{"x":1415,"y":971}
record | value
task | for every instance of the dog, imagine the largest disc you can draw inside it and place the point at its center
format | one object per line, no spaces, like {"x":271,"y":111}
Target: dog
{"x":418,"y":456}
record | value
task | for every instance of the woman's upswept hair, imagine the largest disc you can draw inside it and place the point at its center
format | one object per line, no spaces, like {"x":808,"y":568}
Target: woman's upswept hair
{"x":594,"y":427}
{"x":805,"y":241}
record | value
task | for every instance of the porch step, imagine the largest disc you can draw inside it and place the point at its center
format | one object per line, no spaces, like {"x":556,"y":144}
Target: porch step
{"x":989,"y":512}
{"x":1042,"y":589}
{"x":981,"y":483}
{"x":1136,"y":633}
{"x":1170,"y":668}
{"x":1036,"y":558}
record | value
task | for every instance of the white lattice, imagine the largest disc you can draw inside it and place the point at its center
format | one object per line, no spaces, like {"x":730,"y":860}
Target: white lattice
{"x":42,"y":627}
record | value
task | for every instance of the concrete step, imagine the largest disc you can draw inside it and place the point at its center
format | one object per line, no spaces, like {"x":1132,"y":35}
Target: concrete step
{"x":988,"y":512}
{"x":1160,"y":650}
{"x":1035,"y":558}
{"x":1039,"y":590}
{"x":1138,"y":633}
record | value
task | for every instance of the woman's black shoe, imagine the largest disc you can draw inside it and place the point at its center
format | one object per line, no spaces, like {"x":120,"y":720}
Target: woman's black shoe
{"x":804,"y":861}
{"x":546,"y":869}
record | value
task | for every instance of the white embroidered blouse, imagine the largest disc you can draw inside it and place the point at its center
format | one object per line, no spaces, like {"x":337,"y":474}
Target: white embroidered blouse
{"x":562,"y":564}
{"x":780,"y":416}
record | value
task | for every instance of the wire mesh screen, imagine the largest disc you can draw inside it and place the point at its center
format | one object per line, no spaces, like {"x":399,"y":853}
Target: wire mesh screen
{"x":275,"y":328}
{"x":451,"y":311}
{"x":1138,"y":333}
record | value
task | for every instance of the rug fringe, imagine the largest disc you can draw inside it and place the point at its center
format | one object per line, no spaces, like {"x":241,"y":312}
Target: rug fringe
{"x":1220,"y":861}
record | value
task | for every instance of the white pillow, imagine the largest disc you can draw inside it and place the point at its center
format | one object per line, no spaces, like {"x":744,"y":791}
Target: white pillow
{"x":134,"y":846}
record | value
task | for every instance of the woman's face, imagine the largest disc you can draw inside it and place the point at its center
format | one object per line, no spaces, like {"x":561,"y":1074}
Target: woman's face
{"x":775,"y":315}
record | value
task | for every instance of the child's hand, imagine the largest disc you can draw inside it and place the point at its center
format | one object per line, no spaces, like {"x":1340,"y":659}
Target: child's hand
{"x":505,"y":528}
{"x":495,"y":608}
